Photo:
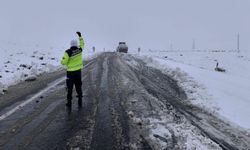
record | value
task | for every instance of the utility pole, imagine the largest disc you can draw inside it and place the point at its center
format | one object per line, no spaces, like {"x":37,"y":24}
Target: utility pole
{"x":171,"y":46}
{"x":193,"y":45}
{"x":238,"y":42}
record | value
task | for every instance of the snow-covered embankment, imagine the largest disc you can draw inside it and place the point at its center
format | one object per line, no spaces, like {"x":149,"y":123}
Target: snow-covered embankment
{"x":224,"y":93}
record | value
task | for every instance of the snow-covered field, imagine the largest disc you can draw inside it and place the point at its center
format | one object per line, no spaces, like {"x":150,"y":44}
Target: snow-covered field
{"x":226,"y":93}
{"x":20,"y":62}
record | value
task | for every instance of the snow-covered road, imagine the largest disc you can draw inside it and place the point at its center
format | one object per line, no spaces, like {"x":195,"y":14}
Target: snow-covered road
{"x":127,"y":105}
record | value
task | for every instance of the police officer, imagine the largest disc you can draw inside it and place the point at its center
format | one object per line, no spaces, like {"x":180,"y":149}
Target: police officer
{"x":73,"y":60}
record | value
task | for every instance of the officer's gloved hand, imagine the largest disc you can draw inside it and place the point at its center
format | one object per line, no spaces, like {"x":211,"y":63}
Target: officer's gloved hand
{"x":79,"y":34}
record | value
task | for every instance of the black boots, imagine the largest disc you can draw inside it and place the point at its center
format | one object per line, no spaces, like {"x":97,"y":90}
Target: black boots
{"x":69,"y":103}
{"x":80,"y":102}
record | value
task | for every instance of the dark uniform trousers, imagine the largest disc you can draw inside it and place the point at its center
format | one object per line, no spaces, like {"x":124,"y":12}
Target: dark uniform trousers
{"x":74,"y":78}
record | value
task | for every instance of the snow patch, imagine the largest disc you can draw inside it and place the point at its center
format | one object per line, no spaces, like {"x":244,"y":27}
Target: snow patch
{"x":226,"y":94}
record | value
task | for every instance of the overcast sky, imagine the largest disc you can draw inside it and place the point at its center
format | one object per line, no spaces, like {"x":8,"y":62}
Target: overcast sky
{"x":150,"y":24}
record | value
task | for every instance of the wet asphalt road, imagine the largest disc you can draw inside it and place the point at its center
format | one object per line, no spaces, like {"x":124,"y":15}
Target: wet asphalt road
{"x":103,"y":123}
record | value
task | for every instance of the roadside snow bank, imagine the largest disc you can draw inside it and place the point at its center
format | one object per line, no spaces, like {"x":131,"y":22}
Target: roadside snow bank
{"x":224,"y":93}
{"x":16,"y":67}
{"x":20,"y":65}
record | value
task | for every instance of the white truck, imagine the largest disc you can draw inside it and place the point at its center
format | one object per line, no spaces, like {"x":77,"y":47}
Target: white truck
{"x":122,"y":47}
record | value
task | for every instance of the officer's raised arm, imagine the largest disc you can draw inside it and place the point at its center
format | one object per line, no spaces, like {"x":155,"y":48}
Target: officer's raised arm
{"x":80,"y":40}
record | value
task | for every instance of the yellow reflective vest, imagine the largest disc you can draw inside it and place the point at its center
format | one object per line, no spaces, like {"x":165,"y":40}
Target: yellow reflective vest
{"x":72,"y":57}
